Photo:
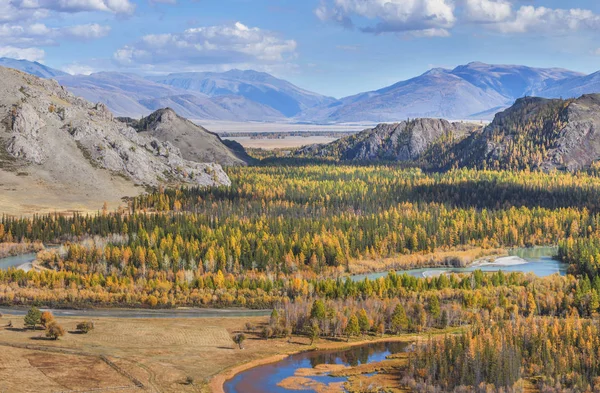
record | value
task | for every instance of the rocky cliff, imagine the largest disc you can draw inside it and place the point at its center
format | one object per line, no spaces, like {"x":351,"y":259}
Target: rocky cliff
{"x":405,"y":141}
{"x":195,"y":142}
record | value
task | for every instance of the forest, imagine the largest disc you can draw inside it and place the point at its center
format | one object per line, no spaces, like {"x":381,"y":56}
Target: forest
{"x":286,"y":237}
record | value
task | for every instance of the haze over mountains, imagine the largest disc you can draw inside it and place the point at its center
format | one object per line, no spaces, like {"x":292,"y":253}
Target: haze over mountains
{"x":472,"y":91}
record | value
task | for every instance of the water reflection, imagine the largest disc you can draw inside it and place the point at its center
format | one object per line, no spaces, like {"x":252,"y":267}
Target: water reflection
{"x":266,"y":378}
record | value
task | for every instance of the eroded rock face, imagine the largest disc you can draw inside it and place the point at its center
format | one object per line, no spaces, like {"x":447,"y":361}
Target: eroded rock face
{"x":403,"y":141}
{"x":50,"y":127}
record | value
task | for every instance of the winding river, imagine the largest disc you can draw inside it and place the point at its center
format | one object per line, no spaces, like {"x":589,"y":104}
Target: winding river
{"x":273,"y":377}
{"x":538,"y":260}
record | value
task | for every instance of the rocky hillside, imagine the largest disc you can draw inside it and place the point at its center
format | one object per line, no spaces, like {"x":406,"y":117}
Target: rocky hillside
{"x":194,"y":142}
{"x":536,"y":133}
{"x":405,"y":141}
{"x":52,"y":140}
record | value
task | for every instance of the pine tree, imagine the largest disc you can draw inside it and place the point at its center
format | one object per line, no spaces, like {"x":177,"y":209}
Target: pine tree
{"x":399,"y":321}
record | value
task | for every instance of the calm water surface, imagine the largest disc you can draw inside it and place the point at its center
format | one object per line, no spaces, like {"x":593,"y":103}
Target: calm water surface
{"x":538,"y":260}
{"x":265,"y":378}
{"x":16,"y":261}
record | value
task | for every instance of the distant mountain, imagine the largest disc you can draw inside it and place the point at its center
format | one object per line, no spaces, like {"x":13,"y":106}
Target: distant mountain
{"x":259,"y":87}
{"x":406,"y":141}
{"x":195,"y":142}
{"x":134,"y":96}
{"x":573,"y":87}
{"x":511,"y":81}
{"x":475,"y":90}
{"x":30,"y":67}
{"x":437,"y":93}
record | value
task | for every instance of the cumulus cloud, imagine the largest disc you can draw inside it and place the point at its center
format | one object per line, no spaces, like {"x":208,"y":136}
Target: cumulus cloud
{"x":437,"y":18}
{"x":38,"y":34}
{"x":487,"y":10}
{"x":235,"y":43}
{"x":71,"y":6}
{"x":9,"y":12}
{"x":31,"y":54}
{"x":546,"y":20}
{"x":416,"y":17}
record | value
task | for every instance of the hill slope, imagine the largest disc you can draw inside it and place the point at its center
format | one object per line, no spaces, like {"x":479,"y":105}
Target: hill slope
{"x":51,"y":140}
{"x":537,"y":133}
{"x":195,"y":142}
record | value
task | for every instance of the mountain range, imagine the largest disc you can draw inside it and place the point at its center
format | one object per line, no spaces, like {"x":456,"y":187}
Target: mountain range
{"x":472,"y":91}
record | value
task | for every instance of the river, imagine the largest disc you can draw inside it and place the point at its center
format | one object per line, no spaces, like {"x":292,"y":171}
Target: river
{"x":17,"y":261}
{"x":268,"y":377}
{"x":538,"y":260}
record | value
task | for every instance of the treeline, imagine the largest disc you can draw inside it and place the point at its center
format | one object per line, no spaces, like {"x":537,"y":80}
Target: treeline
{"x":559,"y":355}
{"x":501,"y":294}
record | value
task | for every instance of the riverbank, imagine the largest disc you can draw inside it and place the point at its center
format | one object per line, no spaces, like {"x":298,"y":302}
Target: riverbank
{"x":16,"y":249}
{"x":218,"y":381}
{"x":460,"y":257}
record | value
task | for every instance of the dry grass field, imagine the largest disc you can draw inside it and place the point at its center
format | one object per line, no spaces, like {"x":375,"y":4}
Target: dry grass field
{"x":159,"y":353}
{"x":289,"y":142}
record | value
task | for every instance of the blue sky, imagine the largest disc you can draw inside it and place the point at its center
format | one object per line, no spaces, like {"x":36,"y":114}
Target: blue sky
{"x":334,"y":47}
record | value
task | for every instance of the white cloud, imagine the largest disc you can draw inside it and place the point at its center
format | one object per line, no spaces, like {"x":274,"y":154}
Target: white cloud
{"x":78,"y":69}
{"x":229,"y":44}
{"x":31,"y":54}
{"x":417,"y":17}
{"x":546,"y":20}
{"x":86,"y":32}
{"x":596,"y":52}
{"x":38,"y":34}
{"x":10,"y":13}
{"x":71,"y":6}
{"x":487,"y":10}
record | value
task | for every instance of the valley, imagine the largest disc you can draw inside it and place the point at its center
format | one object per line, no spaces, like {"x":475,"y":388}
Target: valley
{"x":418,"y":255}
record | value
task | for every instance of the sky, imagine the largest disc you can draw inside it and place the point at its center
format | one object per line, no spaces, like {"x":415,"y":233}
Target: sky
{"x":334,"y":47}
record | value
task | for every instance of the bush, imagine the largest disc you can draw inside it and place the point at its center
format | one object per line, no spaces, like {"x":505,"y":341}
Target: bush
{"x":46,"y":318}
{"x":54,"y":330}
{"x":85,"y":327}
